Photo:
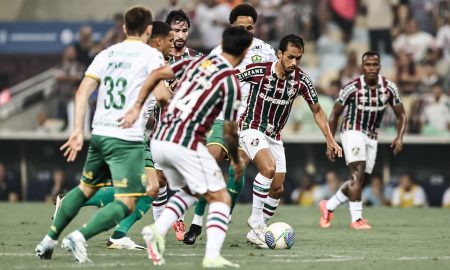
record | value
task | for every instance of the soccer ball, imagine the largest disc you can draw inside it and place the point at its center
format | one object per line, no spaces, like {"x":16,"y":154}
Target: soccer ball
{"x":280,"y":235}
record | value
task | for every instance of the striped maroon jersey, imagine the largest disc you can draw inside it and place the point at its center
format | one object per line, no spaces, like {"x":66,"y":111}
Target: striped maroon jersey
{"x":270,"y":100}
{"x":365,"y":105}
{"x":188,"y":52}
{"x":207,"y":87}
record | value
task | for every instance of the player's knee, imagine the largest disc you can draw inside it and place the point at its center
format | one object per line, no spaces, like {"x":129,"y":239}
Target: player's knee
{"x":268,"y":171}
{"x":218,"y":196}
{"x":277,"y":191}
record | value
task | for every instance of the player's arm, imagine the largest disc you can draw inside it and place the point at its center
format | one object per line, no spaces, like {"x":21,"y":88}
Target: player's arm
{"x":334,"y":117}
{"x":321,"y":121}
{"x":152,"y":81}
{"x":399,"y":111}
{"x":75,"y":141}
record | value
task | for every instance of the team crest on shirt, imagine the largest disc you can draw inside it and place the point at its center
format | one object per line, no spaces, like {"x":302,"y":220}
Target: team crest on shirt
{"x":270,"y":78}
{"x":355,"y":150}
{"x":384,"y":97}
{"x":255,"y":142}
{"x":256,"y":58}
{"x":291,"y":92}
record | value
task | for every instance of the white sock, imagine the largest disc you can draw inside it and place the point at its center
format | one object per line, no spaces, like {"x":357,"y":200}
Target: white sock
{"x":181,"y":218}
{"x":270,"y":206}
{"x":261,"y":187}
{"x":356,"y":209}
{"x":160,"y":203}
{"x":198,"y":220}
{"x":175,"y":208}
{"x":337,"y":199}
{"x":216,"y":228}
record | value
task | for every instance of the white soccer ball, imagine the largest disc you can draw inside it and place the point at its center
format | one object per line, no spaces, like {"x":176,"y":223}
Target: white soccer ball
{"x":280,"y":235}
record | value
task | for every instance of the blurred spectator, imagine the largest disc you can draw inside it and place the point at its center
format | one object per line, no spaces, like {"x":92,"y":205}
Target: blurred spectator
{"x":414,"y":41}
{"x":71,"y":117}
{"x":408,"y":75}
{"x":408,"y":194}
{"x":211,"y":19}
{"x":436,"y":112}
{"x":115,"y":34}
{"x":428,"y":77}
{"x":443,"y":39}
{"x":402,"y":13}
{"x":380,"y":29}
{"x":446,"y":198}
{"x":60,"y":185}
{"x":68,"y":76}
{"x":424,"y":13}
{"x":344,"y":14}
{"x":331,"y":186}
{"x":434,"y":188}
{"x":308,"y":193}
{"x":9,"y":186}
{"x":41,"y":119}
{"x":351,"y":70}
{"x":376,"y":194}
{"x":162,"y":14}
{"x":294,"y":18}
{"x":86,"y":49}
{"x":5,"y":94}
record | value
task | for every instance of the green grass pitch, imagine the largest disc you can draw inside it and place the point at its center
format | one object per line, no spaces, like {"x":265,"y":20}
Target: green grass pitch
{"x":400,"y":239}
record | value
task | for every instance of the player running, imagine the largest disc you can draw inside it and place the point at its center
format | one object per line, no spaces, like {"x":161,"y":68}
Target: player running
{"x":274,"y":87}
{"x":365,"y":100}
{"x":114,"y":153}
{"x":207,"y":88}
{"x":244,"y":16}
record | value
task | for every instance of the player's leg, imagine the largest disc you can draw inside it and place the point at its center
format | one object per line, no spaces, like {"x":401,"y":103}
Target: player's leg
{"x":125,"y":160}
{"x":101,"y":198}
{"x":118,"y":240}
{"x":277,"y":186}
{"x":235,"y":183}
{"x":161,"y":200}
{"x":94,"y":172}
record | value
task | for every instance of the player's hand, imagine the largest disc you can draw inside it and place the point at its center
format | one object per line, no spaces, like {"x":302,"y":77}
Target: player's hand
{"x":238,"y":169}
{"x":333,"y":150}
{"x":73,"y":145}
{"x":129,"y":118}
{"x":397,"y":145}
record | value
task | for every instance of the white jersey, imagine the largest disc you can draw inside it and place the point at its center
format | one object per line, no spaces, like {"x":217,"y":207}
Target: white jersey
{"x":259,"y":52}
{"x":121,"y":70}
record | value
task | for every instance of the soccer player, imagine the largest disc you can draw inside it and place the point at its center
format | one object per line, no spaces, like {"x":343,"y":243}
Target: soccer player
{"x":207,"y":88}
{"x":274,"y":87}
{"x":365,"y":100}
{"x":244,"y":16}
{"x":114,"y":153}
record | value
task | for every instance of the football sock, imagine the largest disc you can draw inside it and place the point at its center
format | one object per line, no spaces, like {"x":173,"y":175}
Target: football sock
{"x":102,"y":197}
{"x":261,"y":187}
{"x":200,"y":207}
{"x":270,"y":206}
{"x":234,"y":189}
{"x":143,"y":204}
{"x":198,"y":220}
{"x":105,"y":219}
{"x":160,"y":203}
{"x":356,"y":210}
{"x":175,"y":209}
{"x":216,"y":228}
{"x":69,"y":208}
{"x":337,"y":199}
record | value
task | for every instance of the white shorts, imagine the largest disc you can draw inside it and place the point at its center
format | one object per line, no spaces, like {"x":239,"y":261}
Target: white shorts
{"x":197,"y":170}
{"x":359,"y":147}
{"x":252,"y":140}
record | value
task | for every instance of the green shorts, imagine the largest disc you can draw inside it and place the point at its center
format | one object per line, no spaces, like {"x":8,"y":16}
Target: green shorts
{"x":119,"y":160}
{"x":148,"y":158}
{"x":215,"y":136}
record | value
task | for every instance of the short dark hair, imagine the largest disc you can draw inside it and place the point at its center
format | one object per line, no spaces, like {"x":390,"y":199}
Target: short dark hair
{"x":370,"y":53}
{"x":178,"y":16}
{"x":235,"y":40}
{"x":294,"y":40}
{"x":160,"y":29}
{"x":243,"y":10}
{"x":137,"y":19}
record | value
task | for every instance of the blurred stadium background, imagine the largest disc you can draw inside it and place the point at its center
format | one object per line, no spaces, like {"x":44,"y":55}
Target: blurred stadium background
{"x":45,"y":46}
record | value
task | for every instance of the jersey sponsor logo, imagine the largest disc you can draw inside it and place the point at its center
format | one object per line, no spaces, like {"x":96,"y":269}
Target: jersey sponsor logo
{"x":270,"y":128}
{"x":256,"y":58}
{"x":118,"y":65}
{"x":257,"y":48}
{"x":355,"y":150}
{"x":310,"y":85}
{"x":122,"y":54}
{"x":371,"y":108}
{"x":250,"y":73}
{"x":274,"y":100}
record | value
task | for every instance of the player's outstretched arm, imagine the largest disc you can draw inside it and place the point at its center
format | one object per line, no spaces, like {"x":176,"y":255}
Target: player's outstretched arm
{"x":397,"y":144}
{"x":75,"y":141}
{"x":152,"y":81}
{"x":321,"y":121}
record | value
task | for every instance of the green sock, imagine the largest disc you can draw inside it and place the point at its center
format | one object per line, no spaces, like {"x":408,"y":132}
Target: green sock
{"x":234,"y":189}
{"x":105,"y":219}
{"x":143,"y":204}
{"x":101,"y":198}
{"x":200,"y":207}
{"x":69,"y":208}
